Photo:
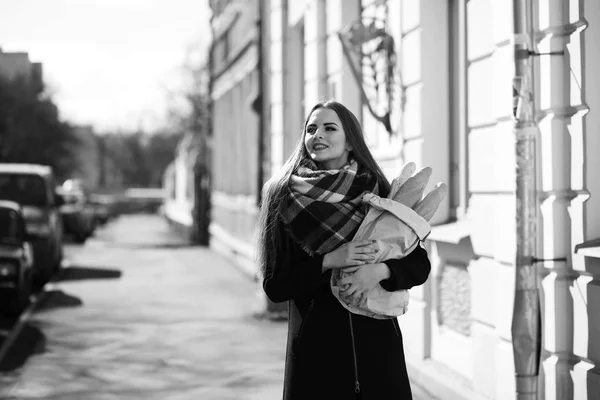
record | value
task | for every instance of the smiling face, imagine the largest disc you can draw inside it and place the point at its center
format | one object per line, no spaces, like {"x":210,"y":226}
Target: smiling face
{"x":325,"y":139}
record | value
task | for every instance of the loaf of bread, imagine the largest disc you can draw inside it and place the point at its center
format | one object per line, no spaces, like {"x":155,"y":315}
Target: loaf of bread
{"x":398,"y":223}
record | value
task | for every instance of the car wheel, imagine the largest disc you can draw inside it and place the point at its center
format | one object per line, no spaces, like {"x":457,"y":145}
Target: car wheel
{"x":81,"y":237}
{"x":58,"y":265}
{"x":21,"y":298}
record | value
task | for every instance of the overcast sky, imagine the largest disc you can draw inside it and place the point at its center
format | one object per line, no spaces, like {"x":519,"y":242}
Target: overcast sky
{"x":109,"y":63}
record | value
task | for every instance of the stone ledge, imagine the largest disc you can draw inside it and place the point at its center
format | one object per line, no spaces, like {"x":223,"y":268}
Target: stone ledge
{"x":591,"y":248}
{"x":453,"y":242}
{"x":453,"y":232}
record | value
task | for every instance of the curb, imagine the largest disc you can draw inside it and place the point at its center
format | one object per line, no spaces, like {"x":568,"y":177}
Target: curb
{"x":25,"y":316}
{"x":18,"y":327}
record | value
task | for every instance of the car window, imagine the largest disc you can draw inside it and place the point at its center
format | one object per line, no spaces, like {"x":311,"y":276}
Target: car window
{"x":9,"y":226}
{"x":25,"y":189}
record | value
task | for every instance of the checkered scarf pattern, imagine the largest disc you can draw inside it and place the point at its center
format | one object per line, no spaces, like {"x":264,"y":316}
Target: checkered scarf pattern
{"x":323,"y":208}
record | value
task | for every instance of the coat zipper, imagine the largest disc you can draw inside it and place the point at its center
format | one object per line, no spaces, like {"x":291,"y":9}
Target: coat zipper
{"x":396,"y":328}
{"x":356,"y":382}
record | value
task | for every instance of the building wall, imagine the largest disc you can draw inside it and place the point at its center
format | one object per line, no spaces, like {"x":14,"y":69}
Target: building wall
{"x":571,"y":196}
{"x":178,"y":185}
{"x":471,"y":290}
{"x":457,"y":66}
{"x":15,"y":65}
{"x":235,"y":140}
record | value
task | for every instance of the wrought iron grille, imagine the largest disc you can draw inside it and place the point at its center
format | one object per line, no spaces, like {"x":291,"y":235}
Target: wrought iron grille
{"x":454,"y":298}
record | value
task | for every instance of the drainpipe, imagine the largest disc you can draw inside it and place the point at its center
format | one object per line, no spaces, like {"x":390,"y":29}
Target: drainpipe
{"x":268,"y":309}
{"x":260,"y":106}
{"x":526,"y":321}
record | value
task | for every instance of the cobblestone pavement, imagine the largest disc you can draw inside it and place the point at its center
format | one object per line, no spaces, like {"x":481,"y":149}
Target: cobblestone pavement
{"x":135,"y":316}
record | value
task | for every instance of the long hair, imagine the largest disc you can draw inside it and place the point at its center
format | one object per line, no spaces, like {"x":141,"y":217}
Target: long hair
{"x":269,"y":242}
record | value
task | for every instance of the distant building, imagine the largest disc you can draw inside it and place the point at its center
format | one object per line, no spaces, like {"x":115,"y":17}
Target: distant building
{"x":15,"y":65}
{"x":179,"y":188}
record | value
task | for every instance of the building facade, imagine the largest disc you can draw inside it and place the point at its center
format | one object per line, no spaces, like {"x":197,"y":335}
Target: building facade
{"x":15,"y":65}
{"x":179,"y":188}
{"x":236,"y":96}
{"x":448,"y":104}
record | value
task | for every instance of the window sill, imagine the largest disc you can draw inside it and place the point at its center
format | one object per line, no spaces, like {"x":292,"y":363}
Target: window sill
{"x":591,"y":248}
{"x":453,"y":232}
{"x":453,"y":242}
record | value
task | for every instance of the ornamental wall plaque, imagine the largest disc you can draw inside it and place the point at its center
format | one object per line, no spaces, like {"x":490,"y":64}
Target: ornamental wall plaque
{"x":370,"y":52}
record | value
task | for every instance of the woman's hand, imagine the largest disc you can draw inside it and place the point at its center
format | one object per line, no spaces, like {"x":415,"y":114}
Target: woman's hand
{"x":351,"y":254}
{"x":358,"y":281}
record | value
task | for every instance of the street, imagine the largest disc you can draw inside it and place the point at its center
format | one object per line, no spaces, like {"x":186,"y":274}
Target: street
{"x":135,"y":315}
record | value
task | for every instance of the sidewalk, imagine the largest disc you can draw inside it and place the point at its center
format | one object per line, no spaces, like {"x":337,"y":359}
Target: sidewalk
{"x":419,"y":393}
{"x":170,"y":322}
{"x":137,"y":316}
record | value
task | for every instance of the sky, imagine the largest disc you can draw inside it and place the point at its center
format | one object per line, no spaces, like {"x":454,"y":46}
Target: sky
{"x":112,"y":64}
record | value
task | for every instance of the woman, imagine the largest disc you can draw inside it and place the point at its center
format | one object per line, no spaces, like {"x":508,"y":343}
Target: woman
{"x":309,"y":214}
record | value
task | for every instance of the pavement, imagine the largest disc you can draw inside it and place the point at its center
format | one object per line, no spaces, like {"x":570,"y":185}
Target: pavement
{"x":138,"y":314}
{"x":135,"y":316}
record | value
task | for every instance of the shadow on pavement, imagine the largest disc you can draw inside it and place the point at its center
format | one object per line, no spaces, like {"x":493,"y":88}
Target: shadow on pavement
{"x":6,"y":322}
{"x":157,"y":245}
{"x":75,"y":273}
{"x":31,"y":340}
{"x":58,"y":299}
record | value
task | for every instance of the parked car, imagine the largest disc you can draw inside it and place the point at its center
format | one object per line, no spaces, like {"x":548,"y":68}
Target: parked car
{"x":16,"y":260}
{"x":77,"y":213}
{"x":104,"y":207}
{"x":33,"y":187}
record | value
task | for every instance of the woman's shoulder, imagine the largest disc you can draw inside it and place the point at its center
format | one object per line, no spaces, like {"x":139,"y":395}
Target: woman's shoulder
{"x":274,"y":183}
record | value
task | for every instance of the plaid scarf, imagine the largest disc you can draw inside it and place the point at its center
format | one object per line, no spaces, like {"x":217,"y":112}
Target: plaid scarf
{"x":323,"y":208}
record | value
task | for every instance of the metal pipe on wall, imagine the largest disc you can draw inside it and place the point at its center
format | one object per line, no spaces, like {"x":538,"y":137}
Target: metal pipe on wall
{"x":259,"y":107}
{"x":526,"y":321}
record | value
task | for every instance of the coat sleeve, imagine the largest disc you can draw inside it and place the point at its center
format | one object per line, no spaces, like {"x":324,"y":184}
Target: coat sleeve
{"x":412,"y":270}
{"x":293,"y":273}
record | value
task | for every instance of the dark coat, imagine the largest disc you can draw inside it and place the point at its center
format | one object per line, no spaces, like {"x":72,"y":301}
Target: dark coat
{"x":320,"y":357}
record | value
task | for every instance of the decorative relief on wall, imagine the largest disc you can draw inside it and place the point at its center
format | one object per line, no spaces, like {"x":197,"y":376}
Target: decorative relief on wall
{"x":370,"y":51}
{"x":454,"y":298}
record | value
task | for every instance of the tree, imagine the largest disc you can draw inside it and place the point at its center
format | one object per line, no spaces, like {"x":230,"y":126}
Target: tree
{"x":190,"y":117}
{"x":31,"y":130}
{"x":160,"y":149}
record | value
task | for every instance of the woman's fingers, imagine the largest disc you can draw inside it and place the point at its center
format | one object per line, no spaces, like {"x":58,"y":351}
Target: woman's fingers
{"x":367,"y":250}
{"x":363,"y":243}
{"x":350,"y":291}
{"x":354,"y":296}
{"x":345,"y":281}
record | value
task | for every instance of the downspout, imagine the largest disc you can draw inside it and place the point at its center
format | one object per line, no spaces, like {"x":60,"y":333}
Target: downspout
{"x":526,"y":321}
{"x":260,"y":104}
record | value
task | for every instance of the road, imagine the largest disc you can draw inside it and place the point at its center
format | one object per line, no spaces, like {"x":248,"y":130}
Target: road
{"x":136,"y":315}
